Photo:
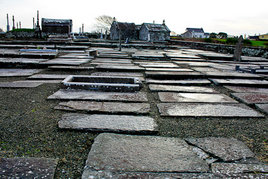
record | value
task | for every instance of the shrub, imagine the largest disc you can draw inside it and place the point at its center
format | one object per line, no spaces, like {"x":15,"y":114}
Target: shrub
{"x":232,"y":41}
{"x":247,"y":42}
{"x":208,"y":40}
{"x":22,"y":30}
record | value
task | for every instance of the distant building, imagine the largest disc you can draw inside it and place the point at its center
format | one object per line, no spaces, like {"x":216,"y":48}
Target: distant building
{"x":195,"y":33}
{"x":154,"y":32}
{"x":263,"y":37}
{"x":126,"y":30}
{"x":57,"y":26}
{"x":254,"y":37}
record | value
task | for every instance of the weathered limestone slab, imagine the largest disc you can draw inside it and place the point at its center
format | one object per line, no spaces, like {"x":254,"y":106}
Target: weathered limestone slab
{"x":170,"y":69}
{"x":20,"y":84}
{"x":98,"y":96}
{"x":127,"y":153}
{"x":227,"y":149}
{"x":189,"y":89}
{"x":220,"y":74}
{"x":27,"y":167}
{"x":111,"y":107}
{"x":252,"y":98}
{"x":157,"y":74}
{"x":179,"y":82}
{"x":262,"y":107}
{"x":77,"y":68}
{"x":194,"y":97}
{"x":66,"y":61}
{"x":47,"y":77}
{"x":159,"y":65}
{"x":120,"y":67}
{"x":126,"y":74}
{"x":18,"y":72}
{"x":227,"y":168}
{"x":29,"y":61}
{"x":113,"y":123}
{"x":240,"y":89}
{"x":194,"y":64}
{"x":241,"y":82}
{"x":41,"y":81}
{"x":204,"y":69}
{"x":206,"y":110}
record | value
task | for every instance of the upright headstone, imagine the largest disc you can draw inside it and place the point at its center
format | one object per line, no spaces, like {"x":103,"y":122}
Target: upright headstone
{"x":7,"y":24}
{"x":238,"y":49}
{"x":13,"y":20}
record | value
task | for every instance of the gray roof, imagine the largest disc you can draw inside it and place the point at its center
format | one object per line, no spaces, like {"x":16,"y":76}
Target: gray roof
{"x":199,"y":30}
{"x":125,"y":25}
{"x":156,"y":27}
{"x":56,"y":21}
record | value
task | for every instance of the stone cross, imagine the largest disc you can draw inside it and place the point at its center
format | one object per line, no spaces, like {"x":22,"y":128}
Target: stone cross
{"x":238,"y":49}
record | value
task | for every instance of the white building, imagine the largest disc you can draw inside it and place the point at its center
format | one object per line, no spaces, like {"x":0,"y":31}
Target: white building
{"x":195,"y":33}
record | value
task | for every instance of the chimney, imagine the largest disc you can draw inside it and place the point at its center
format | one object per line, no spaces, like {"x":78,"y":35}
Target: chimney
{"x":20,"y":24}
{"x":33,"y":23}
{"x":7,"y":23}
{"x":37,"y":24}
{"x":82,"y":28}
{"x":114,"y":19}
{"x":153,"y":22}
{"x":164,"y":22}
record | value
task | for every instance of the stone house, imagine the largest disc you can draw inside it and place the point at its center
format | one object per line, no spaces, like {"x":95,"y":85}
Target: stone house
{"x":126,"y":30}
{"x":263,"y":37}
{"x":57,"y":26}
{"x":154,"y":32}
{"x":195,"y":33}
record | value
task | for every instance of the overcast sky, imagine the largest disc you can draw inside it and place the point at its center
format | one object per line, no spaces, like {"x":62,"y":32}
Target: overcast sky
{"x":235,"y":17}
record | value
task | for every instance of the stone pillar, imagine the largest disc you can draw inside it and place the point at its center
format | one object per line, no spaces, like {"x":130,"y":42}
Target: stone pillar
{"x":238,"y":49}
{"x":13,"y":20}
{"x":8,"y":28}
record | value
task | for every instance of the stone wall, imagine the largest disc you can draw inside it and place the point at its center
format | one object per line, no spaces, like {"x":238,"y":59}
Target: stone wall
{"x":222,"y":48}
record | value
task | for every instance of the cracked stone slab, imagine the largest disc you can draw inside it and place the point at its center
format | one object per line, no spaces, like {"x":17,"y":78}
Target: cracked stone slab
{"x":219,"y":74}
{"x":110,"y":107}
{"x":47,"y":77}
{"x":160,"y":74}
{"x":241,"y":82}
{"x":27,"y":167}
{"x":194,"y":97}
{"x":179,"y":82}
{"x":240,"y":89}
{"x":90,"y":173}
{"x":227,"y":168}
{"x":227,"y":149}
{"x":20,"y":84}
{"x":251,"y":98}
{"x":98,"y":96}
{"x":18,"y":72}
{"x":111,"y":123}
{"x":128,"y":153}
{"x":173,"y":88}
{"x":206,"y":110}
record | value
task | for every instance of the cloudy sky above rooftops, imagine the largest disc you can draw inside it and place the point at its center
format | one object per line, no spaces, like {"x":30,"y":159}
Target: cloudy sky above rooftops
{"x":235,"y":17}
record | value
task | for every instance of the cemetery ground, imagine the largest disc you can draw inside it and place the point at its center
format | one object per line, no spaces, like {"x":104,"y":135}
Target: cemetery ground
{"x":29,"y":121}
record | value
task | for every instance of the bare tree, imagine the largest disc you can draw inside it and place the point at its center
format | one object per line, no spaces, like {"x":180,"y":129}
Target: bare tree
{"x":103,"y":23}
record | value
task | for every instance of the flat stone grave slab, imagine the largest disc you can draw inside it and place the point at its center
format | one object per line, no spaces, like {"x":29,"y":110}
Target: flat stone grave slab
{"x":159,"y":65}
{"x":130,"y":74}
{"x":148,"y":175}
{"x":253,"y":59}
{"x":113,"y":64}
{"x":157,"y":74}
{"x":20,"y":84}
{"x":27,"y":167}
{"x":219,"y":74}
{"x":119,"y":67}
{"x":240,"y":89}
{"x":194,"y":97}
{"x":98,"y":96}
{"x":189,"y":89}
{"x":227,"y":149}
{"x":205,"y":69}
{"x":66,"y":61}
{"x":126,"y":153}
{"x":111,"y":123}
{"x":21,"y":60}
{"x":109,"y":107}
{"x":194,"y":64}
{"x":225,"y":168}
{"x":42,"y":81}
{"x":170,"y":69}
{"x":47,"y":77}
{"x":251,"y":98}
{"x":18,"y":72}
{"x":216,"y":56}
{"x":179,"y":82}
{"x":262,"y":107}
{"x":68,"y":68}
{"x":241,"y":82}
{"x":206,"y":110}
{"x":172,"y":55}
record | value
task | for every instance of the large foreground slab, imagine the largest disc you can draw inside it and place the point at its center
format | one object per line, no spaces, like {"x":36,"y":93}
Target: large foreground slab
{"x":18,"y":72}
{"x":20,"y":84}
{"x":112,"y":123}
{"x":126,"y":153}
{"x":194,"y":97}
{"x":108,"y":107}
{"x":27,"y":168}
{"x":240,"y":89}
{"x":206,"y":110}
{"x":98,"y":96}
